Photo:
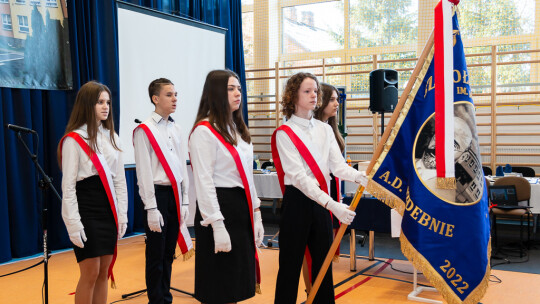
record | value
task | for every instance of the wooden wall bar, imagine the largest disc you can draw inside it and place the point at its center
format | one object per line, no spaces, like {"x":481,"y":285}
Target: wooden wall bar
{"x":508,"y":121}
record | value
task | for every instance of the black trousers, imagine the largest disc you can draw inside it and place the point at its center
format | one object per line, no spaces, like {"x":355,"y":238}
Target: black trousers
{"x":303,"y":222}
{"x":160,"y":248}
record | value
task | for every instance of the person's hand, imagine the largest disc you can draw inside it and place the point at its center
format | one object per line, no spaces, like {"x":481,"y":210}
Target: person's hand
{"x":222,"y":240}
{"x":184,"y":213}
{"x":122,"y":227}
{"x":362,"y":179}
{"x":341,"y":211}
{"x":258,"y":227}
{"x":78,"y":238}
{"x":155,"y":220}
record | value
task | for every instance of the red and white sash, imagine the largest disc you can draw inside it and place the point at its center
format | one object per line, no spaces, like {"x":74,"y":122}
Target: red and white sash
{"x":105,"y":176}
{"x":245,"y":182}
{"x":444,"y":95}
{"x":175,"y":177}
{"x":310,"y":161}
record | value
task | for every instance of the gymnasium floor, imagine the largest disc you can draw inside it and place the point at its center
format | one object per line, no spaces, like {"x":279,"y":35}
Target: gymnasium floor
{"x":373,"y":282}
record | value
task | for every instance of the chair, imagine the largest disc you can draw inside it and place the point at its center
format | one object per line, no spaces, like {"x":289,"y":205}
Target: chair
{"x":487,"y":170}
{"x":526,"y":171}
{"x":267,"y":164}
{"x":523,"y":193}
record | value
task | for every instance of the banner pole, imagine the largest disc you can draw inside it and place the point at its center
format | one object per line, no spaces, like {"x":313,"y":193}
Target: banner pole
{"x":378,"y":151}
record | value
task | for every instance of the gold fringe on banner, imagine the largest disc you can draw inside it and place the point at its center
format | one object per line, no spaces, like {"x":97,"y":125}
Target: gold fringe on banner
{"x":336,"y":258}
{"x":420,"y":262}
{"x":113,"y":284}
{"x":385,"y":196}
{"x":258,"y":288}
{"x":188,"y":254}
{"x":446,"y":183}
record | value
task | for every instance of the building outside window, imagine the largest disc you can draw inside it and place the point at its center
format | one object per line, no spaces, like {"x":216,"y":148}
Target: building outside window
{"x":51,"y":3}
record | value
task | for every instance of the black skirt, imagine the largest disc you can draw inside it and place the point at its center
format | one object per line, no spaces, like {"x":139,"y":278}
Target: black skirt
{"x":97,"y":219}
{"x":226,"y":277}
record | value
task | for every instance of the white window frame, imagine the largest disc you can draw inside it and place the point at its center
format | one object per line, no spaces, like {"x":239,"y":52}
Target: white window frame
{"x":23,"y":28}
{"x":6,"y":22}
{"x":35,"y":2}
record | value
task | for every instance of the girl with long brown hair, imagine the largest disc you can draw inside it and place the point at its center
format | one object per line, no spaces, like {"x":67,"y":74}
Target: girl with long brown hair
{"x":327,"y":113}
{"x":228,"y":222}
{"x":94,"y":203}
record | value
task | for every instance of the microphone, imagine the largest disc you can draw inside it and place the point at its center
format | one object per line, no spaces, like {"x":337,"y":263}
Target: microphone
{"x":137,"y":121}
{"x":20,"y":129}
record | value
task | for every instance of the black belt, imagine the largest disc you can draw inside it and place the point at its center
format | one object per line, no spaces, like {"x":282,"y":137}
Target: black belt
{"x":163,"y":187}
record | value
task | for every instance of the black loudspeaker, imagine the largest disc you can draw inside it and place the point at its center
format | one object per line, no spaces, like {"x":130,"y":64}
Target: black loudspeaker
{"x":383,"y":90}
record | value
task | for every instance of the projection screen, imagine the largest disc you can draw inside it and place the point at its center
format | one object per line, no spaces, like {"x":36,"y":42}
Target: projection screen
{"x":151,"y":45}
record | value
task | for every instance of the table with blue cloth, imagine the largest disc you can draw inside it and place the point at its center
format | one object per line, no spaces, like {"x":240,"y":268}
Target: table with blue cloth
{"x":371,"y":215}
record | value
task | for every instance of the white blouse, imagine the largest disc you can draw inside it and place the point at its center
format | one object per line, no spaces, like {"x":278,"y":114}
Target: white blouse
{"x":77,"y":166}
{"x":149,"y":169}
{"x":321,"y":142}
{"x":213,"y":166}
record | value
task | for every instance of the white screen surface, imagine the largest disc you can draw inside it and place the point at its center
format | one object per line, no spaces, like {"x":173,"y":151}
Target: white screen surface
{"x":153,"y":45}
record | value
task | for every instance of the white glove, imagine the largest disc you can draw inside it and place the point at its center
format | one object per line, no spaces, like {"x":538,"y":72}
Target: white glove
{"x":341,"y":211}
{"x":258,"y":227}
{"x":78,"y":238}
{"x":362,"y":179}
{"x":184,"y":213}
{"x":122,"y":227}
{"x":222,"y":240}
{"x":155,"y":220}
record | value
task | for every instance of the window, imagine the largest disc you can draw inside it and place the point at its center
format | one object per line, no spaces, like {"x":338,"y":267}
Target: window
{"x":247,"y":33}
{"x":6,"y":22}
{"x":51,"y":3}
{"x":20,"y":1}
{"x":375,"y":24}
{"x":23,"y":24}
{"x":4,"y":1}
{"x":312,"y":27}
{"x":35,"y":2}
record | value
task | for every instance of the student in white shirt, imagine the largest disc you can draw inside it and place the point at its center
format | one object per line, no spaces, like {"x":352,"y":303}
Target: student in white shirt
{"x":87,"y":212}
{"x":162,"y":225}
{"x":305,"y":219}
{"x":225,"y":267}
{"x":327,"y":113}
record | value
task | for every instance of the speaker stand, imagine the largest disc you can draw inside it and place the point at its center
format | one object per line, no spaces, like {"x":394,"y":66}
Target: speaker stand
{"x":382,"y":123}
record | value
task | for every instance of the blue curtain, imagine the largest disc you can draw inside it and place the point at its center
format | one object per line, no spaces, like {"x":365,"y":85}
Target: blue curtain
{"x":94,"y":47}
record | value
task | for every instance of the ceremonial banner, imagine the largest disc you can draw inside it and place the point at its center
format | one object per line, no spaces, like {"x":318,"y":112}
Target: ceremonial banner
{"x":445,"y":231}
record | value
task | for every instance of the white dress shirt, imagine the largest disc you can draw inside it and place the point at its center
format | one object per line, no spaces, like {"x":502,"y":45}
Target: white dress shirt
{"x":321,"y":142}
{"x":149,"y":169}
{"x":213,"y":166}
{"x":77,"y":166}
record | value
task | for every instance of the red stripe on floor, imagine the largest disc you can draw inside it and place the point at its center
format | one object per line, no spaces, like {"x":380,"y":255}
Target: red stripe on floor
{"x":346,"y":291}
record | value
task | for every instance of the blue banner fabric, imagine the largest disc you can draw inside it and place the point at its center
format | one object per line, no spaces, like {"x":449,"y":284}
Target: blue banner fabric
{"x":445,"y":232}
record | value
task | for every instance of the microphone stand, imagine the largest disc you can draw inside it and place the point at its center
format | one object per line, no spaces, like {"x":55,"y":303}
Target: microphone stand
{"x":44,"y":184}
{"x":144,"y":290}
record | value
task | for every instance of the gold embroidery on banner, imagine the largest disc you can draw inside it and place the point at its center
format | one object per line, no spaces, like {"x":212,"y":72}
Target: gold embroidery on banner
{"x":446,"y":182}
{"x":420,"y":263}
